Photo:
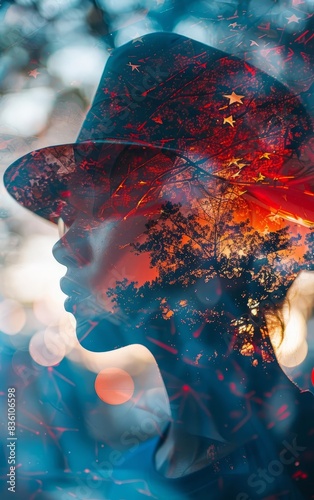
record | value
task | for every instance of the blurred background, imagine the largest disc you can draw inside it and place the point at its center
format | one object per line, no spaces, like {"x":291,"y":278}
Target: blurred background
{"x":52,"y":54}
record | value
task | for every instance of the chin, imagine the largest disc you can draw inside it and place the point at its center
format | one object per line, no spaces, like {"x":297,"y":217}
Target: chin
{"x":100,"y":334}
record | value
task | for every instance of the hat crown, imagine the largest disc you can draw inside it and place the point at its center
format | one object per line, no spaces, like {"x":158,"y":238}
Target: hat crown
{"x":168,"y":90}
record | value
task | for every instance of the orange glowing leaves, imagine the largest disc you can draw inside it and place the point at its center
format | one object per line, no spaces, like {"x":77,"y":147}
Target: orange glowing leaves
{"x":229,"y":120}
{"x":274,"y":218}
{"x":233,"y":97}
{"x":168,"y":314}
{"x":183,"y":303}
{"x":247,"y":349}
{"x":114,"y":386}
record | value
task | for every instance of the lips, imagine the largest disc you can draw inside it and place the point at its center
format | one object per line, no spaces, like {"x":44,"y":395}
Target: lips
{"x":92,"y":318}
{"x":75,"y":292}
{"x":80,"y":302}
{"x":70,"y":305}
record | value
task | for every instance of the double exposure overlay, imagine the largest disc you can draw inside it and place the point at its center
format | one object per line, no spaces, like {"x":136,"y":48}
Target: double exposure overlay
{"x":186,"y":211}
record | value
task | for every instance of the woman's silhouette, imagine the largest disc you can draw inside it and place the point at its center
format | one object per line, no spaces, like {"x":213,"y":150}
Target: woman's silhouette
{"x":182,"y":181}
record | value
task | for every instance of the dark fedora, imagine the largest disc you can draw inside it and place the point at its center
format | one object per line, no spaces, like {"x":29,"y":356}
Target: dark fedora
{"x":163,"y":101}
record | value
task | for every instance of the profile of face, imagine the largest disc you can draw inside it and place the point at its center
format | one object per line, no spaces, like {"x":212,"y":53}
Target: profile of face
{"x":99,"y":254}
{"x":185,"y":269}
{"x":188,"y":268}
{"x":181,"y":253}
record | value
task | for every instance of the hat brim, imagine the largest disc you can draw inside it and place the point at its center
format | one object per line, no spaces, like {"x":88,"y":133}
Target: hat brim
{"x":95,"y":177}
{"x":89,"y":177}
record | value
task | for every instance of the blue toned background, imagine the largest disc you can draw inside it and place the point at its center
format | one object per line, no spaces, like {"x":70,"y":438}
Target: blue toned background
{"x":52,"y":54}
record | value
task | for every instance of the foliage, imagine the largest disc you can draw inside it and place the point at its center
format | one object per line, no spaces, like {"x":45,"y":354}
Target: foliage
{"x":211,"y":268}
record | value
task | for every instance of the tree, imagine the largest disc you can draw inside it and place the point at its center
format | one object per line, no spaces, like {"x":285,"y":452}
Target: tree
{"x":212,"y":268}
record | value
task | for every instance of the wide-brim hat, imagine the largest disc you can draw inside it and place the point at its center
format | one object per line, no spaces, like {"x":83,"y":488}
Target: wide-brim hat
{"x":164,"y":100}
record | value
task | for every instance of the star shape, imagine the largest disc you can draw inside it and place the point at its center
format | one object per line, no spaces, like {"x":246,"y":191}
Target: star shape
{"x":234,"y":98}
{"x":260,"y":177}
{"x":265,"y":155}
{"x":241,"y":165}
{"x":201,"y":65}
{"x":34,"y":73}
{"x":233,"y":25}
{"x":134,"y":66}
{"x":36,"y":153}
{"x":293,"y":19}
{"x":234,"y":161}
{"x":229,"y":120}
{"x":158,"y":119}
{"x":138,"y":39}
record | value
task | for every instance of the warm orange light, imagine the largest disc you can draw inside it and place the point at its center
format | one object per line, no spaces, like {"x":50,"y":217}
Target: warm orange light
{"x":114,"y":386}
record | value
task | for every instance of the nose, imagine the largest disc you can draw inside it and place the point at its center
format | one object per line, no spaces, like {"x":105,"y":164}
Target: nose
{"x":73,"y":249}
